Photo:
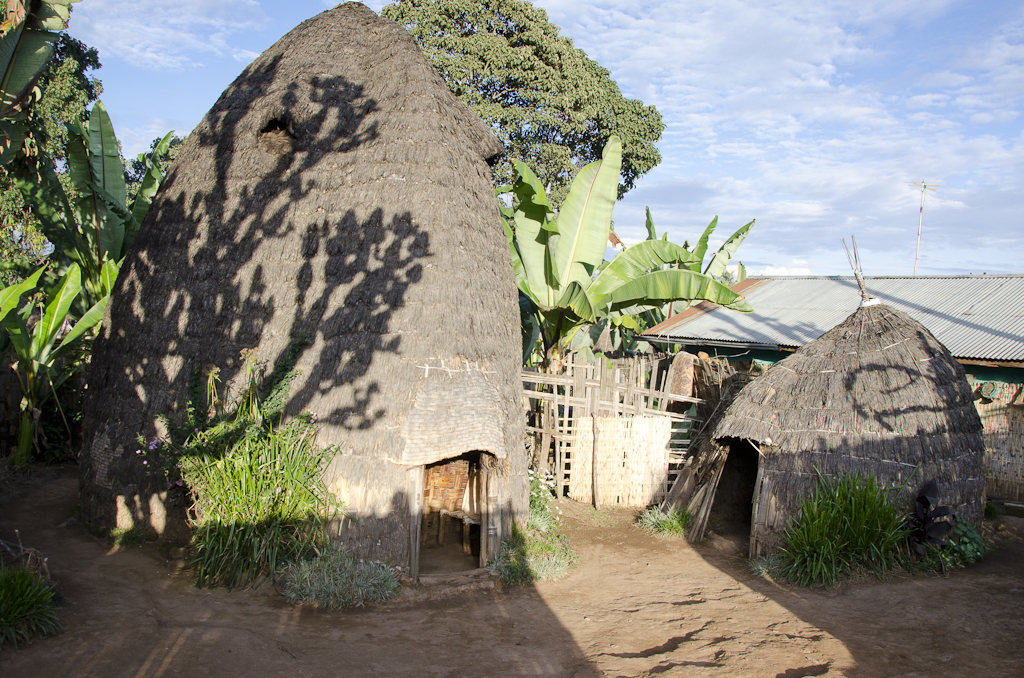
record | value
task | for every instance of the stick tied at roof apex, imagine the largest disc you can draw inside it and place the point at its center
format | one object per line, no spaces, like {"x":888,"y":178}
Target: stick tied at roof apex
{"x":854,"y":258}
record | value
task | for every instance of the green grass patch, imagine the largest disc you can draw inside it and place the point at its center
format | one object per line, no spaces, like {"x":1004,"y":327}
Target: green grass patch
{"x":258,"y":506}
{"x":335,"y":580}
{"x":538,"y":552}
{"x":672,"y":523}
{"x":28,"y":606}
{"x":846,"y":525}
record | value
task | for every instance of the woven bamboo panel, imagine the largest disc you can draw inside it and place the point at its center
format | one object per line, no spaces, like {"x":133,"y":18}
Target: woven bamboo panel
{"x":581,"y":479}
{"x":1002,"y":417}
{"x":631,"y":455}
{"x":445,"y":486}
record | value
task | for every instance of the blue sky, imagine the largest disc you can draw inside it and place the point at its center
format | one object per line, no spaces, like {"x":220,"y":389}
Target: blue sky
{"x":810,"y":116}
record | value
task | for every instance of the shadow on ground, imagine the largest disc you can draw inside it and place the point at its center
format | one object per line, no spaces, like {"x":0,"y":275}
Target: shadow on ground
{"x":130,"y":613}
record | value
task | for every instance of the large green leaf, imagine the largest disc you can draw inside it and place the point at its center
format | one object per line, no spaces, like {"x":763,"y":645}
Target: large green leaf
{"x":52,"y":15}
{"x":721,"y":259}
{"x":702,"y":245}
{"x":91,"y":318}
{"x":9,"y":296}
{"x":533,"y":236}
{"x":654,"y":289}
{"x":147,"y":190}
{"x":651,"y":233}
{"x":104,"y":154}
{"x":639,"y":259}
{"x":575,"y":297}
{"x":57,"y":307}
{"x":585,"y":217}
{"x":24,"y":53}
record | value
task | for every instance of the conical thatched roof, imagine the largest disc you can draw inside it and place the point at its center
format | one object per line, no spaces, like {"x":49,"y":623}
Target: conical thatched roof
{"x":876,"y":394}
{"x":337,"y":192}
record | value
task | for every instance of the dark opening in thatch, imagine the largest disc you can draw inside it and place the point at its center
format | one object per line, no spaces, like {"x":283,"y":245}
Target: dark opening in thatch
{"x":337,"y":193}
{"x":877,"y":394}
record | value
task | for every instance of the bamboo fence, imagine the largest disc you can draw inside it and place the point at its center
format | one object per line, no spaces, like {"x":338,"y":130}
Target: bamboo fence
{"x":615,"y":431}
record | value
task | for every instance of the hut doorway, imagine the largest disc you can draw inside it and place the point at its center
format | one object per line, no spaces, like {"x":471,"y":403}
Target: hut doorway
{"x":452,"y":515}
{"x":733,"y":508}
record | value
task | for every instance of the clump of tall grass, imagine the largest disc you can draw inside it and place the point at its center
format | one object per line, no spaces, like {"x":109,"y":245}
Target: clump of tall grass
{"x":258,"y":505}
{"x":335,"y":580}
{"x":672,"y":523}
{"x":846,"y":525}
{"x":538,"y":552}
{"x":28,"y":606}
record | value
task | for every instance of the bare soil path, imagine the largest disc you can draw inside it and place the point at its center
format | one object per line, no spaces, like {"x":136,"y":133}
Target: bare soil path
{"x":636,"y":605}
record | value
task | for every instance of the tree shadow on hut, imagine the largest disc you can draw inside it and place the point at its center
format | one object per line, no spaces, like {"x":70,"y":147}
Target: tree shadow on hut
{"x":202,"y":282}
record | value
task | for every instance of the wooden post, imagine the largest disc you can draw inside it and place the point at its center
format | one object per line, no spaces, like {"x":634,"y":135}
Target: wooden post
{"x":485,"y":524}
{"x":416,"y":518}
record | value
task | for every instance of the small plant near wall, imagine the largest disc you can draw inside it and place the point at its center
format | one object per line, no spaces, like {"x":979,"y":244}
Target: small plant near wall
{"x":671,"y":523}
{"x":259,"y":502}
{"x":848,"y":524}
{"x":538,"y":552}
{"x":335,"y":580}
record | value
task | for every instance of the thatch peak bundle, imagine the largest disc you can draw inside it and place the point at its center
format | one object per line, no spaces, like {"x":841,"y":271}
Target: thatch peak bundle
{"x":337,"y":193}
{"x":876,"y":394}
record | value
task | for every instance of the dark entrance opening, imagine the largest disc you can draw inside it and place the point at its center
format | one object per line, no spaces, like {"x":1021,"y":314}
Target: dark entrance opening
{"x":731,"y":513}
{"x":450,"y":533}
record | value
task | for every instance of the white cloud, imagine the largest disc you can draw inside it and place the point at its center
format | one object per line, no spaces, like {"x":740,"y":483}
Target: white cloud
{"x":161,"y":34}
{"x":814,"y":116}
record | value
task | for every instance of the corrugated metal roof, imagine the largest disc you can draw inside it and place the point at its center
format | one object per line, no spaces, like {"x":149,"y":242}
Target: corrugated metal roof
{"x":977,"y":317}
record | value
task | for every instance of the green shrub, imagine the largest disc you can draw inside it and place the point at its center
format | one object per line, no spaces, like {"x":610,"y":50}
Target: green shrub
{"x":537,"y":553}
{"x":259,"y":505}
{"x":963,"y":546}
{"x":847,"y":525}
{"x":335,"y":580}
{"x":27,"y":606}
{"x":668,"y":523}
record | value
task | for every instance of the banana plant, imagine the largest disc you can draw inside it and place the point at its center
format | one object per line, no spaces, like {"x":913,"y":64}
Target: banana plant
{"x":94,"y":229}
{"x":559,"y":263}
{"x":27,"y":37}
{"x":36,"y":344}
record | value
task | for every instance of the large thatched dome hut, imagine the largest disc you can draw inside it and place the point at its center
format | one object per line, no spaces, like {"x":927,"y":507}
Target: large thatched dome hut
{"x":336,"y":193}
{"x":877,"y":394}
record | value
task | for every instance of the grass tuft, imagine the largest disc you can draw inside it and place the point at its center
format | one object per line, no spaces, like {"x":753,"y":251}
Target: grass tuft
{"x":538,"y":552}
{"x":846,"y":525}
{"x":334,"y":580}
{"x":668,"y":523}
{"x":27,"y":606}
{"x":259,"y":505}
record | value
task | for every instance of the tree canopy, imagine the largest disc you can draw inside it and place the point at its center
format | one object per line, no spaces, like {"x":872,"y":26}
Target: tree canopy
{"x":546,"y":101}
{"x":68,"y":88}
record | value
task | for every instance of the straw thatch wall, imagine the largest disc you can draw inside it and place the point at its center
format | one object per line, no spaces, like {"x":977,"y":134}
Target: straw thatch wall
{"x":876,"y":394}
{"x":336,"y":191}
{"x":1002,"y":415}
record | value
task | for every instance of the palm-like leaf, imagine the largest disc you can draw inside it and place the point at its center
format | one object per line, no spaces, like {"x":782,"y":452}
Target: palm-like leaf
{"x":702,"y":245}
{"x":585,"y":217}
{"x":639,"y":259}
{"x":721,"y":259}
{"x":656,"y":288}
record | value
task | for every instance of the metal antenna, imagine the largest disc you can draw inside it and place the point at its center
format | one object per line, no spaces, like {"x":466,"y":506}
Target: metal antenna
{"x":920,"y":222}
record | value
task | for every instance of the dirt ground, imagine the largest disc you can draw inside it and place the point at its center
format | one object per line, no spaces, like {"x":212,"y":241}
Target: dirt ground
{"x":636,"y":605}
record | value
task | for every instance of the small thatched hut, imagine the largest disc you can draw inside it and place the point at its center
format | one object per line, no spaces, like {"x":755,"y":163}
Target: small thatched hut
{"x":876,"y":394}
{"x":338,"y":193}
